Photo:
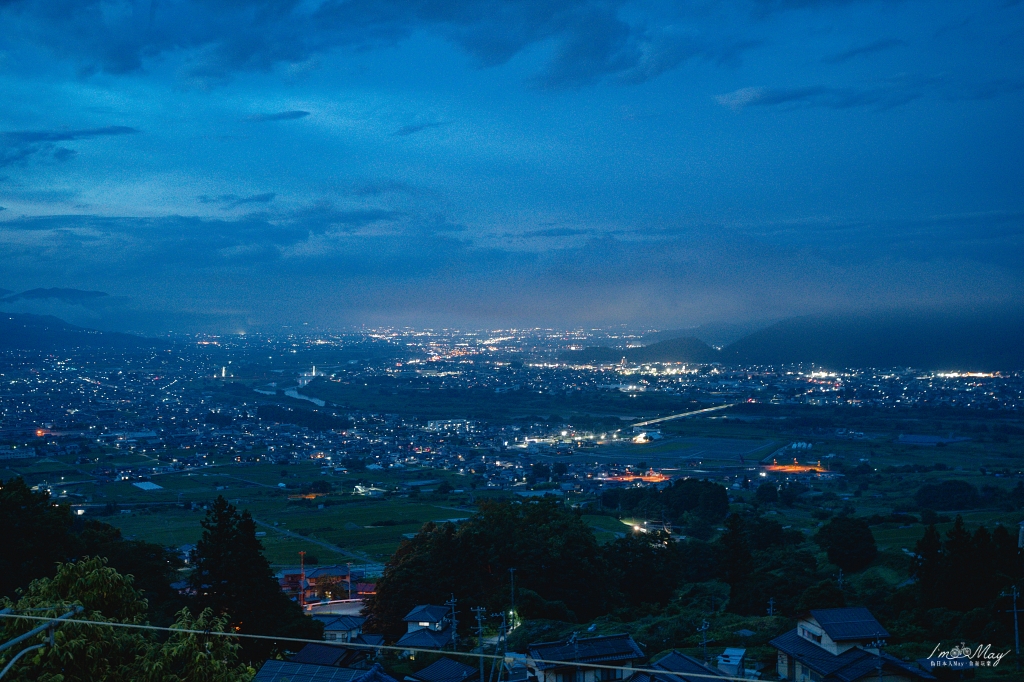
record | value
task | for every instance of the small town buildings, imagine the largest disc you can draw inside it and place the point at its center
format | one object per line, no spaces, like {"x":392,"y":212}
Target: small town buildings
{"x":840,"y":645}
{"x":556,"y":661}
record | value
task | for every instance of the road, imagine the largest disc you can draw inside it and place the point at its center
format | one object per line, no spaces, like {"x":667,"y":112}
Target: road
{"x":682,"y":414}
{"x":320,"y":543}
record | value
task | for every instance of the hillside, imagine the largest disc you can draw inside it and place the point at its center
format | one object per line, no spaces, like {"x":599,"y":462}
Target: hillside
{"x":686,"y":349}
{"x":43,"y":332}
{"x":981,"y":341}
{"x":972,"y":341}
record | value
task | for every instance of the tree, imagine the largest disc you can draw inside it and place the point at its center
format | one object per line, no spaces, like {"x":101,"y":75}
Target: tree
{"x":929,"y":565}
{"x":552,"y":549}
{"x":767,"y":493}
{"x":83,"y":653}
{"x":232,"y":577}
{"x":848,"y":542}
{"x":735,"y":562}
{"x":188,"y":657}
{"x":948,"y":495}
{"x":35,"y":534}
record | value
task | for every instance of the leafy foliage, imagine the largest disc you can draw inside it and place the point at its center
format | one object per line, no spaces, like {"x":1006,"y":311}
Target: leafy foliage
{"x":83,"y":653}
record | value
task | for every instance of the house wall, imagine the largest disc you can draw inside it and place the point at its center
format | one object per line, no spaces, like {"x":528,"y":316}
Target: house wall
{"x":568,"y":673}
{"x":810,"y":630}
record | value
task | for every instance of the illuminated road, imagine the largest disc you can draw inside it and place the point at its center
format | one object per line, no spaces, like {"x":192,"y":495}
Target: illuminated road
{"x":682,"y":414}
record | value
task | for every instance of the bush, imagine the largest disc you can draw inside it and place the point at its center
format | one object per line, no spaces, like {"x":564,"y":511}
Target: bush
{"x":948,"y":496}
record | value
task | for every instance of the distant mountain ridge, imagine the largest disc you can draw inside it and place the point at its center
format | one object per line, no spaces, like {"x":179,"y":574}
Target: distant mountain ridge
{"x":969,"y":341}
{"x":23,"y":331}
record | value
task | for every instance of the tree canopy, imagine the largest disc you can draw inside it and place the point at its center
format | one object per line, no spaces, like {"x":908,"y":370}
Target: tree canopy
{"x":232,"y":577}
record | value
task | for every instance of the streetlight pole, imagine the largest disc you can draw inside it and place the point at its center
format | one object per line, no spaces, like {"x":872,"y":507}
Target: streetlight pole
{"x":1016,"y":630}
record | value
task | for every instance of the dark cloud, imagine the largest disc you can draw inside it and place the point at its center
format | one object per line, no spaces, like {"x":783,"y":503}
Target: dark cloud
{"x":871,"y":48}
{"x":414,"y":128}
{"x":280,"y":116}
{"x":593,"y":39}
{"x":19,"y":146}
{"x":349,"y":265}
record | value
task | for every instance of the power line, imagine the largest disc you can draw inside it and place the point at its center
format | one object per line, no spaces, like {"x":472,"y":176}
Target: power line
{"x":353,"y":645}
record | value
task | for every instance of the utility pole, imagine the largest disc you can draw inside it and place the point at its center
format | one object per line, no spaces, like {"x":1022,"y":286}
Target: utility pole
{"x":771,"y":606}
{"x":499,"y":649}
{"x":703,"y":630}
{"x":348,"y":578}
{"x":576,"y":654}
{"x":512,"y":594}
{"x":302,"y":580}
{"x":840,"y":579}
{"x":479,"y":611}
{"x":1016,"y":630}
{"x":455,"y":623}
{"x":877,"y":645}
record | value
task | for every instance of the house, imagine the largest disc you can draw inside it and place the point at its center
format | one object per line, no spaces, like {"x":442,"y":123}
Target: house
{"x":682,"y":668}
{"x":429,"y":627}
{"x":340,"y":628}
{"x":731,"y":662}
{"x":839,"y":645}
{"x":445,"y":670}
{"x":557,"y":661}
{"x":290,"y":671}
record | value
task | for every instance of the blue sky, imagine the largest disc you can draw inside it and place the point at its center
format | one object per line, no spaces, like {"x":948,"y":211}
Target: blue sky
{"x":233,"y":165}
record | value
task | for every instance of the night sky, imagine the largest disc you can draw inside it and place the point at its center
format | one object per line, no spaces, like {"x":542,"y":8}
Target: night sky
{"x":232,"y":165}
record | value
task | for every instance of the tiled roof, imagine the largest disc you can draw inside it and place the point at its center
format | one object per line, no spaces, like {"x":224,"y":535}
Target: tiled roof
{"x":682,"y":668}
{"x":588,"y":650}
{"x":427,"y":614}
{"x":844,"y":625}
{"x":319,"y":654}
{"x":334,"y":622}
{"x":849,"y":666}
{"x":426,"y":639}
{"x":446,"y":670}
{"x":288,"y":671}
{"x":369,"y":639}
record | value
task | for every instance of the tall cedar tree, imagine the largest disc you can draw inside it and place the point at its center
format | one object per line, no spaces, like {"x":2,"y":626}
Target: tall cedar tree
{"x":735,"y":562}
{"x":232,"y":576}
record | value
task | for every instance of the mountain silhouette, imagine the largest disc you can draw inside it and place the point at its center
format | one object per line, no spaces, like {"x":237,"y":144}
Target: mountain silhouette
{"x":45,"y":332}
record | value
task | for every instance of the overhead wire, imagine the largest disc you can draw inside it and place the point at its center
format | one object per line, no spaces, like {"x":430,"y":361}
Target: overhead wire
{"x":377,"y":647}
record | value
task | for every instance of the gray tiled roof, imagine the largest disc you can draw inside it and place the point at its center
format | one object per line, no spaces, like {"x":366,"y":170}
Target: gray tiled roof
{"x":681,"y":666}
{"x":589,"y":650}
{"x":427,"y":613}
{"x":844,"y":625}
{"x":446,"y":670}
{"x":288,"y":671}
{"x":320,"y":654}
{"x":426,"y":639}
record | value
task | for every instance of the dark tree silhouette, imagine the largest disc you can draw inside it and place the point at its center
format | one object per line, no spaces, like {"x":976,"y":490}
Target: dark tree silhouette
{"x":232,"y":576}
{"x":848,"y":542}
